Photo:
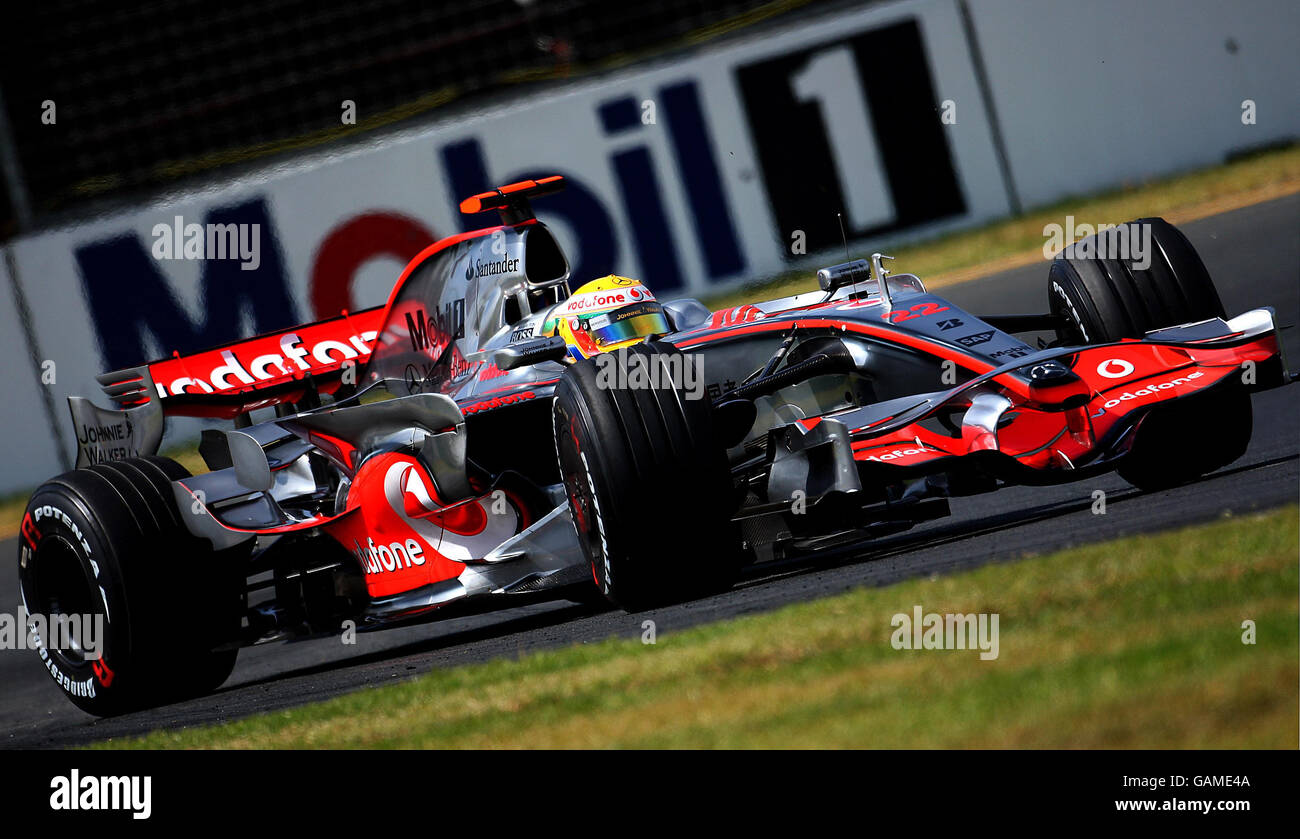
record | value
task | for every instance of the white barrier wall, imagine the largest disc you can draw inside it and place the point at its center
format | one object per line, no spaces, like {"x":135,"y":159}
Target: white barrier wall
{"x":695,"y":174}
{"x":29,"y":450}
{"x":677,"y":174}
{"x":1105,"y":93}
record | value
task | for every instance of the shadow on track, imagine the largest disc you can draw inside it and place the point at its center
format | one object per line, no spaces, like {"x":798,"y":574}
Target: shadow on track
{"x":945,"y":534}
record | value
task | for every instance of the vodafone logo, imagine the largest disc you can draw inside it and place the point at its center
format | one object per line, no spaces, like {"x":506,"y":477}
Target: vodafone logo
{"x":497,"y":402}
{"x":1151,"y":390}
{"x":595,"y":300}
{"x":377,"y":559}
{"x":1114,"y":368}
{"x":460,"y":532}
{"x":406,"y":494}
{"x":897,"y":454}
{"x":295,"y":355}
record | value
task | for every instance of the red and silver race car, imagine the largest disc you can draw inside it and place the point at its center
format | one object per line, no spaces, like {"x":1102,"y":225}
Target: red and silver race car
{"x":486,"y":438}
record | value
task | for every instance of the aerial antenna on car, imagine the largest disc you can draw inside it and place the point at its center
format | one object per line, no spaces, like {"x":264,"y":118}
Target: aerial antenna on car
{"x":845,"y":239}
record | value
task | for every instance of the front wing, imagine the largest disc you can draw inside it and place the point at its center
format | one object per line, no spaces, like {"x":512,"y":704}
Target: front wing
{"x":1058,"y":414}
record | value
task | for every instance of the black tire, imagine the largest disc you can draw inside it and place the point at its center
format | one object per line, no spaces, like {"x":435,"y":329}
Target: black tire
{"x":108,"y":541}
{"x":1184,"y":440}
{"x":648,"y":483}
{"x":1102,"y":300}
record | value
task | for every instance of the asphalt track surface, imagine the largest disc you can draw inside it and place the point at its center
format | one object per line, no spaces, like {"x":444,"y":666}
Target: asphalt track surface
{"x":1254,"y":256}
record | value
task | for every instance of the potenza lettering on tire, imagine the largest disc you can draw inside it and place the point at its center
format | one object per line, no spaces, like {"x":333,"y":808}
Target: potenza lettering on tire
{"x":48,"y":510}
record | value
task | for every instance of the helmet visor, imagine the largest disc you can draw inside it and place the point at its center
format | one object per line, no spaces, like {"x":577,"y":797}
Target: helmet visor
{"x":639,"y":320}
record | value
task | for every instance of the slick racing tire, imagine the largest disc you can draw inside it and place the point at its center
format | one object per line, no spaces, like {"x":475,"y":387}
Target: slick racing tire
{"x":1183,"y":440}
{"x":108,"y":542}
{"x":648,"y":484}
{"x":1101,"y":298}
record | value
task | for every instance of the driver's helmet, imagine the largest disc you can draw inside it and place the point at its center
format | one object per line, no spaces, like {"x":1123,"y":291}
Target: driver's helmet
{"x":606,"y":314}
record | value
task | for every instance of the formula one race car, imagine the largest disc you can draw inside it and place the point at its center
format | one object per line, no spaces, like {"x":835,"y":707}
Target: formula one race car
{"x":486,"y":438}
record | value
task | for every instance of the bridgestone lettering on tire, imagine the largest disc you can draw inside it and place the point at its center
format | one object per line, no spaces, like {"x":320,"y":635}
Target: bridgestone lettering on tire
{"x":109,"y":540}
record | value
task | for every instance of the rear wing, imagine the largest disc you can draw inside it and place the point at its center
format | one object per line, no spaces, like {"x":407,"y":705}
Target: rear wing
{"x":223,"y":382}
{"x":269,"y":369}
{"x":293,"y":366}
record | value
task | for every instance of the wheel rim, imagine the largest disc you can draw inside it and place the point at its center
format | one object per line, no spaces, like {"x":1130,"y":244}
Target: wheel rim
{"x":62,"y":586}
{"x":577,"y":484}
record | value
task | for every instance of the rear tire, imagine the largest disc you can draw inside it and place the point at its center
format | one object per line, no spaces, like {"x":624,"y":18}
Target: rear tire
{"x":648,"y":483}
{"x":108,"y":541}
{"x":1103,"y":300}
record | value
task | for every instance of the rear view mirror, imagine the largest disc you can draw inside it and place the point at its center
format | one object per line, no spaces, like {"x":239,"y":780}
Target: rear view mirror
{"x":524,"y":353}
{"x":846,"y":273}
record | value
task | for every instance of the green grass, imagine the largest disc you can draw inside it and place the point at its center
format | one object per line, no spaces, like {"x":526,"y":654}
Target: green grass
{"x":1132,"y":643}
{"x":187,"y":455}
{"x":946,"y":259}
{"x":11,"y":512}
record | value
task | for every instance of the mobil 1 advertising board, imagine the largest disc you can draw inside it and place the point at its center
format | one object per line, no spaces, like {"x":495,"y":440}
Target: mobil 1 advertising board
{"x":716,"y":169}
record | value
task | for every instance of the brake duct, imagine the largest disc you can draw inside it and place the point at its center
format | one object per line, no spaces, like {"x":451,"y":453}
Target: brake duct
{"x":814,"y":461}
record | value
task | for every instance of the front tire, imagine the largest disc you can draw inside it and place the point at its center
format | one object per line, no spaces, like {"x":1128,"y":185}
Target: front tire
{"x":108,"y":542}
{"x":1104,"y":299}
{"x":648,"y":483}
{"x":1181,"y":441}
